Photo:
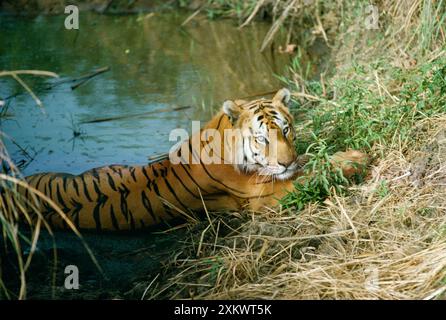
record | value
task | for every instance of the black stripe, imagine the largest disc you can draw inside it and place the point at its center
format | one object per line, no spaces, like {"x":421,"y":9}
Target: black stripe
{"x":75,"y":185}
{"x":59,"y":196}
{"x":50,"y":187}
{"x":132,"y":220}
{"x":38,"y":181}
{"x":94,"y":173}
{"x":76,"y":211}
{"x":102,"y":199}
{"x":85,"y":189}
{"x":124,"y":207}
{"x":45,"y":191}
{"x":113,"y":218}
{"x":218,"y":181}
{"x":250,"y":147}
{"x":115,"y":170}
{"x":174,"y":194}
{"x":144,"y":172}
{"x":166,"y":209}
{"x":219,"y":121}
{"x":132,"y":173}
{"x":97,"y":216}
{"x":147,"y":177}
{"x":146,"y":203}
{"x":154,"y":171}
{"x":65,"y":183}
{"x":182,"y":183}
{"x":96,"y":188}
{"x":111,"y":182}
{"x":155,"y":187}
{"x":123,"y":203}
{"x":193,"y":180}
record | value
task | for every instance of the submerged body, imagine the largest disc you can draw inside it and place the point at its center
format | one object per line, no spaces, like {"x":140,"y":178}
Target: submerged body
{"x":131,"y":197}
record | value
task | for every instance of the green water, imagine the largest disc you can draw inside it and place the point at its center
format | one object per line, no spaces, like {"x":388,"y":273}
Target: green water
{"x":154,"y":64}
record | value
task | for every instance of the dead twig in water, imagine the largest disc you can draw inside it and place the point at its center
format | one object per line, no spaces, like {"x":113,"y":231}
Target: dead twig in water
{"x":272,"y":31}
{"x":193,"y":15}
{"x":158,"y":157}
{"x":82,"y":79}
{"x":87,"y":77}
{"x":15,"y":75}
{"x":105,"y":7}
{"x":134,"y":115}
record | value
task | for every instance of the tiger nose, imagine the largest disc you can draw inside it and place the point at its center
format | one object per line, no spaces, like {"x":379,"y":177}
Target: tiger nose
{"x":286,"y":164}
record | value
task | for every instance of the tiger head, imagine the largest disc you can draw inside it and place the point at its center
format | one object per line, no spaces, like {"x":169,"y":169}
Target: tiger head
{"x":266,"y":141}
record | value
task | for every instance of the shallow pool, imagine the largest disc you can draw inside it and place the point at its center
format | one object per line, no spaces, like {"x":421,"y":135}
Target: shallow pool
{"x":155,"y":64}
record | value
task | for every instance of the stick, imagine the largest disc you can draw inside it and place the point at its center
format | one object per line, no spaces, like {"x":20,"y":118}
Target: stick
{"x":190,"y":17}
{"x":33,"y":72}
{"x":85,"y":78}
{"x":82,"y":78}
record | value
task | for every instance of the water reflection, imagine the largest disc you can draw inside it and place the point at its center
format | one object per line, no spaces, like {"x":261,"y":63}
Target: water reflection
{"x":154,"y":64}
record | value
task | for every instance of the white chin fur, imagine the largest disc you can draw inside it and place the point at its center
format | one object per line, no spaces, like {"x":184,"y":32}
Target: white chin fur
{"x":284,"y":176}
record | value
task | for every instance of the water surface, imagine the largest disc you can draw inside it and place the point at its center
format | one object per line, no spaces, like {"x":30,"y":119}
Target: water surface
{"x":154,"y":64}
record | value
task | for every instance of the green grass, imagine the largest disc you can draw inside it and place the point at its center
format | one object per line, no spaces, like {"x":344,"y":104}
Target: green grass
{"x":361,"y":118}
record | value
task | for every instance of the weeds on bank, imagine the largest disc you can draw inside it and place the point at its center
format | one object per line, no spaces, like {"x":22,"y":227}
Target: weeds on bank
{"x":13,"y":207}
{"x":361,"y":118}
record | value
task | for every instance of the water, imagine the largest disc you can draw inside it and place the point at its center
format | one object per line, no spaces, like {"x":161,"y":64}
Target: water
{"x":154,"y":64}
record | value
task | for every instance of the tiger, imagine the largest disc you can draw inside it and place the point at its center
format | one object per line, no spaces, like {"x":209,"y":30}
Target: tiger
{"x":259,"y":168}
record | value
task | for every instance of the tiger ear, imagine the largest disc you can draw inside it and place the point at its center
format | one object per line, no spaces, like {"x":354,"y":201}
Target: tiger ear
{"x":283,"y":96}
{"x":232,"y":110}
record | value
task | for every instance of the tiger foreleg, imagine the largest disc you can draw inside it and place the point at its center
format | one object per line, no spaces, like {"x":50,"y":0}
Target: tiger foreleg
{"x":351,"y":162}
